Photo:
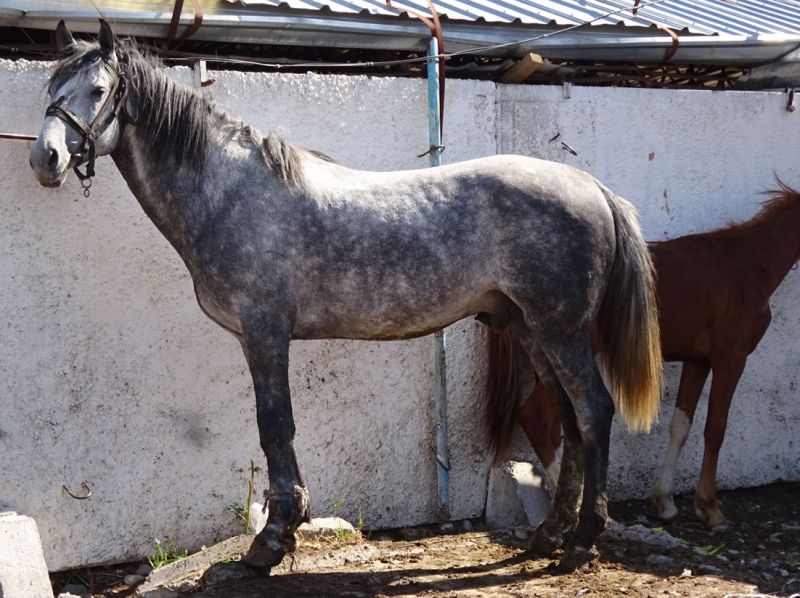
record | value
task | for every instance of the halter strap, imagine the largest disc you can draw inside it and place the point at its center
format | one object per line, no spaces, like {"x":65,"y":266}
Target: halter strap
{"x":90,"y":133}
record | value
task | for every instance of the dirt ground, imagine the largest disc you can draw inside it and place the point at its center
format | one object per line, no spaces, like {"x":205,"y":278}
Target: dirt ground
{"x":757,"y":552}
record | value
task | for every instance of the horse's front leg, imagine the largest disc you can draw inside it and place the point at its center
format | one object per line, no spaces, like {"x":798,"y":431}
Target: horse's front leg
{"x":266,"y":346}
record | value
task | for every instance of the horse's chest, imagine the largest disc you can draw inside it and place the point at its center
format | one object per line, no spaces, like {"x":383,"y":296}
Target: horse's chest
{"x":217,"y":311}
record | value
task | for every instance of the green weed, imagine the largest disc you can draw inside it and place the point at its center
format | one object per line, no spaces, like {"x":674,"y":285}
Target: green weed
{"x":166,"y":553}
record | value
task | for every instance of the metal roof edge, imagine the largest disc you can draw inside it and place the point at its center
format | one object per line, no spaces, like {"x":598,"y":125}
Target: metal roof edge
{"x":288,"y":27}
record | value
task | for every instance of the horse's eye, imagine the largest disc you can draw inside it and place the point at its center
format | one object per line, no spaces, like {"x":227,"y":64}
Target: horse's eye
{"x":98,"y":92}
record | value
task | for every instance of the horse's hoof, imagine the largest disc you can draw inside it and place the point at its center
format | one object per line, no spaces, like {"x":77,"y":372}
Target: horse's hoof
{"x":577,"y":557}
{"x":709,"y":513}
{"x":664,"y":507}
{"x":263,"y":555}
{"x":543,"y":543}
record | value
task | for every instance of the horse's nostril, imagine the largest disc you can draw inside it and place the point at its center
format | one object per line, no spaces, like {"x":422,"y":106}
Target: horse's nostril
{"x":53,"y":158}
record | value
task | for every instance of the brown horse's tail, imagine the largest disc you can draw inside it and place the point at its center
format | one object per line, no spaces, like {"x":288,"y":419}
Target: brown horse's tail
{"x":503,"y":389}
{"x":627,"y":323}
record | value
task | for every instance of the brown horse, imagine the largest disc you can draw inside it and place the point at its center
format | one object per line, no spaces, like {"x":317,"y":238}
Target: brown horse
{"x":713,"y":296}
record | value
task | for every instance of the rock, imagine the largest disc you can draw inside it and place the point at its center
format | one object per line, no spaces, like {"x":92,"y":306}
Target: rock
{"x":133,"y":580}
{"x":144,"y":570}
{"x":639,"y":533}
{"x":76,"y":589}
{"x":183,"y":586}
{"x":707,"y":569}
{"x":516,"y":496}
{"x":659,"y":560}
{"x":324,"y":527}
{"x":221,"y":575}
{"x":23,"y":571}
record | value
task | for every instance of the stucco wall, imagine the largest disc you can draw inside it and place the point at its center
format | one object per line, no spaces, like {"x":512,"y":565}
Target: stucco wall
{"x":110,"y":374}
{"x":690,"y":161}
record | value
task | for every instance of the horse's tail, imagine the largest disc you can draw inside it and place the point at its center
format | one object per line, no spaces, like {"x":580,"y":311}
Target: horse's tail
{"x":627,"y":323}
{"x":503,"y":389}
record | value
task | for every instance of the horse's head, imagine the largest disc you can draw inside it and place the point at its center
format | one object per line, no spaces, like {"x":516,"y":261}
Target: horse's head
{"x":87,"y":94}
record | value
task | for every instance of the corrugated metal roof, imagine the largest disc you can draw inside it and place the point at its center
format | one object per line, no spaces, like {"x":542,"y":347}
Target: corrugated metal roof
{"x":750,"y":18}
{"x":747,"y":32}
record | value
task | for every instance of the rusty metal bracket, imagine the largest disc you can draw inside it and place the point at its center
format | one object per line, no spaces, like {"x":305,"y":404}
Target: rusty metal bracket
{"x":172,"y":42}
{"x":435,"y":25}
{"x":670,"y":52}
{"x":84,"y":487}
{"x":431,"y":149}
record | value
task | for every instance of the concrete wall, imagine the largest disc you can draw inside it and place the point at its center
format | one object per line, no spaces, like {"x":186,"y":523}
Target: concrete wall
{"x":690,"y":161}
{"x":110,"y":374}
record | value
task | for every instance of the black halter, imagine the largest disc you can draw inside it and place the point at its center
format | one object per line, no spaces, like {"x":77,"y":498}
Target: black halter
{"x":89,"y":134}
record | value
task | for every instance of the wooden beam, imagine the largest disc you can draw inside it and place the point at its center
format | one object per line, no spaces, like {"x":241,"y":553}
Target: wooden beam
{"x":522,"y":69}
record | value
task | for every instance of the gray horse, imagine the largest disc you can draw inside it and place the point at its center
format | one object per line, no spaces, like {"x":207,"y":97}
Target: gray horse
{"x":283,"y":243}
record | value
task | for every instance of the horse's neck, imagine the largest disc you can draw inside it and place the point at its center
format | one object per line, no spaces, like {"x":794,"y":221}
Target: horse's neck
{"x":774,"y":244}
{"x":165,"y":195}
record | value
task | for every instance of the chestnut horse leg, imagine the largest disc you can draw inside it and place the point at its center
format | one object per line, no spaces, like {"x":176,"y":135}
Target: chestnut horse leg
{"x":693,"y":378}
{"x":559,"y":525}
{"x":539,"y":418}
{"x":727,"y":371}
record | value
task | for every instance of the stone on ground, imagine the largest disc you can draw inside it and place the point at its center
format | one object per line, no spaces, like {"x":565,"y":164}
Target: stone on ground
{"x":324,"y":527}
{"x":23,"y":572}
{"x":517,"y":495}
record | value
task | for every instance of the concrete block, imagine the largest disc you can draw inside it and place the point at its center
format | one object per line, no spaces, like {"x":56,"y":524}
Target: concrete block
{"x":23,"y":572}
{"x":517,"y":495}
{"x":161,"y":580}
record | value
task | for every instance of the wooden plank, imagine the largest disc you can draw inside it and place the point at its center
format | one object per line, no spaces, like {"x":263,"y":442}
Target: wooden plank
{"x":522,"y":69}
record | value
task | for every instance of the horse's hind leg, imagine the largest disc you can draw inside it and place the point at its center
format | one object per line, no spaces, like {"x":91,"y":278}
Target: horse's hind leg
{"x":727,"y":371}
{"x":575,"y":368}
{"x":555,"y":528}
{"x":266,"y":346}
{"x":539,"y":418}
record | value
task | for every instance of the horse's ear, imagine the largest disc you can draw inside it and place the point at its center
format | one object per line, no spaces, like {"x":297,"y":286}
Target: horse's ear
{"x":63,"y":35}
{"x":106,"y":38}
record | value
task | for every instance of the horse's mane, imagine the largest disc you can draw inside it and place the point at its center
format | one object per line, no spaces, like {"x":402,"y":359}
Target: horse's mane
{"x":780,"y":200}
{"x":177,"y":121}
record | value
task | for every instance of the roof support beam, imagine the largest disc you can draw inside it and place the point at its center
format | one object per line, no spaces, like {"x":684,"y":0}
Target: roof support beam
{"x":522,"y":69}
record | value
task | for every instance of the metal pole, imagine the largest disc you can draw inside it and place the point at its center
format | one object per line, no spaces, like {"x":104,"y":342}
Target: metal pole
{"x":439,"y":360}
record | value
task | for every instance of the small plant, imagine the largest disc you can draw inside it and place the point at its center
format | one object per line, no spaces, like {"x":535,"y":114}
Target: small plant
{"x":710,"y":549}
{"x":165,"y":554}
{"x":242,"y":511}
{"x":360,"y":520}
{"x":346,"y":535}
{"x":239,"y":511}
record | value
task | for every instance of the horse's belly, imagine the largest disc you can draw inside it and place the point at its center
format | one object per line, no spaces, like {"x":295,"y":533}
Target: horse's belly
{"x":399,"y":321}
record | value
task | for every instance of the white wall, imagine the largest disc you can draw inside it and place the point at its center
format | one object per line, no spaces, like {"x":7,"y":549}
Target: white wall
{"x":109,"y":373}
{"x":690,"y":161}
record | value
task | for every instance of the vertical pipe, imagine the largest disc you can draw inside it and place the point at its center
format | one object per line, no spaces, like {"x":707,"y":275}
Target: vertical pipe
{"x":439,"y":360}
